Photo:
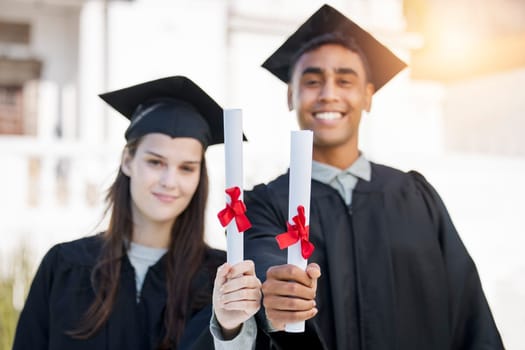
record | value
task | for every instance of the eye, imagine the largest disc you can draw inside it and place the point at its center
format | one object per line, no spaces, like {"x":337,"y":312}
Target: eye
{"x":345,"y":82}
{"x":155,"y":162}
{"x":188,"y":168}
{"x":311,"y":80}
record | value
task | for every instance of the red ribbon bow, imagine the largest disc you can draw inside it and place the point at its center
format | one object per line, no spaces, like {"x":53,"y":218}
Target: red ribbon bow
{"x":235,"y":209}
{"x":297,"y":232}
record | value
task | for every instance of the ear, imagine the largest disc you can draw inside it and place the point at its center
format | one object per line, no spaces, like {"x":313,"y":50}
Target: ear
{"x":125,"y":161}
{"x":369,"y":92}
{"x":290,"y":97}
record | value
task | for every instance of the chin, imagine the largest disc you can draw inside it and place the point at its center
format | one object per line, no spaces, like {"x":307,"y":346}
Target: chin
{"x":160,"y":218}
{"x":326,"y":142}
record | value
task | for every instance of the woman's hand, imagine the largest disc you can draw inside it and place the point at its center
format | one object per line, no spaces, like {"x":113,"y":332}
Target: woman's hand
{"x":236,"y":296}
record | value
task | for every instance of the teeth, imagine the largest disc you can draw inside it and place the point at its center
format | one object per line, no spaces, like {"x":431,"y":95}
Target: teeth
{"x":328,"y":115}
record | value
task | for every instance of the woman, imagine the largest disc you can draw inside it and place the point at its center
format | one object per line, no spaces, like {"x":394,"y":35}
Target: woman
{"x":146,"y":282}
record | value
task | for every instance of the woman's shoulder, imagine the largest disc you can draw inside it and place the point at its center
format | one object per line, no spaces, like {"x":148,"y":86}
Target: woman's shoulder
{"x":214,"y":257}
{"x":83,"y":251}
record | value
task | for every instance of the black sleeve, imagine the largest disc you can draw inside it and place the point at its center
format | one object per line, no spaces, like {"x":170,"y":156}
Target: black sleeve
{"x":32,"y":331}
{"x":267,"y":210}
{"x":473,"y":327}
{"x":197,"y":335}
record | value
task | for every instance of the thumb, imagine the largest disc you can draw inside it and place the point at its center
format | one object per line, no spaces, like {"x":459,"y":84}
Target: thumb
{"x":314,"y":272}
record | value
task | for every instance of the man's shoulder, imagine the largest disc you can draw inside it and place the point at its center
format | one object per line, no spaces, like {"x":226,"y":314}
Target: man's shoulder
{"x":388,"y":178}
{"x":277,"y":185}
{"x":385,"y":172}
{"x":410,"y":184}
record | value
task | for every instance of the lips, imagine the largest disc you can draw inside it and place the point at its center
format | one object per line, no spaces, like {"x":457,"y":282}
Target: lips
{"x":165,"y":198}
{"x":328,"y":115}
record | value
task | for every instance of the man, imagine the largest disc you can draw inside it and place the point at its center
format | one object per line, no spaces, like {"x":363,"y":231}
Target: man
{"x":395,"y":274}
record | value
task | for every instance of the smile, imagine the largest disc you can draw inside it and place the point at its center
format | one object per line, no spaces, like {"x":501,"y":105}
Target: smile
{"x":164,"y":197}
{"x":328,"y":115}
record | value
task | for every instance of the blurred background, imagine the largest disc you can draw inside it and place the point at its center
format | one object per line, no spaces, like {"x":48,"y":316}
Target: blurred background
{"x":456,"y":115}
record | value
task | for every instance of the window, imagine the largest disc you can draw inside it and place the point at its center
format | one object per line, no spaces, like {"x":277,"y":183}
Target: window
{"x":11,"y":111}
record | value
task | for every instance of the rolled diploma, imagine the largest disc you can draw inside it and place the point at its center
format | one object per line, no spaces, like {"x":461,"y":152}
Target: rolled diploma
{"x":234,"y":177}
{"x":299,"y":194}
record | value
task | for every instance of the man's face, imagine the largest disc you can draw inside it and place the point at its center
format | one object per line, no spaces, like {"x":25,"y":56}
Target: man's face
{"x":329,"y":91}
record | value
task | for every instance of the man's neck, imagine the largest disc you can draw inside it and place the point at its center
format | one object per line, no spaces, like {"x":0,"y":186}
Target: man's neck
{"x":341,"y":157}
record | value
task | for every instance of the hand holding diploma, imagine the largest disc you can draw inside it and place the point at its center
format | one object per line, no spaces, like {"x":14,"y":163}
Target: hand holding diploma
{"x":237,"y":290}
{"x":289,"y":290}
{"x":236,"y":296}
{"x":289,"y":294}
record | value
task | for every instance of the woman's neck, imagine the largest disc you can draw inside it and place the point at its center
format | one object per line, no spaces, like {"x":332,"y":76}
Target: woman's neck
{"x":155,"y":235}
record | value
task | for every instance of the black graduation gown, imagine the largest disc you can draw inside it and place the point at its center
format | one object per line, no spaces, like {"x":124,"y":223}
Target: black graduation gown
{"x":61,"y":292}
{"x":395,"y":274}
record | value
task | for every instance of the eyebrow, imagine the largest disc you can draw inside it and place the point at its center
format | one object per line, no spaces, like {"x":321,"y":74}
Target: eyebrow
{"x":317,"y":70}
{"x":155,"y":154}
{"x":346,"y":71}
{"x":312,"y":70}
{"x":162,"y":157}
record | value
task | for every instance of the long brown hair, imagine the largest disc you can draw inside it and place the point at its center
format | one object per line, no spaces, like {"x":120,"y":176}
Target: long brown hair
{"x":185,"y":253}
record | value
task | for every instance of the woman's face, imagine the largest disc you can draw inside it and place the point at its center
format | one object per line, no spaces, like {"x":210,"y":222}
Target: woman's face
{"x":164,"y":174}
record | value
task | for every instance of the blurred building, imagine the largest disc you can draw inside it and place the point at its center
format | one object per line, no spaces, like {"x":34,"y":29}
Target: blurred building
{"x":456,"y":114}
{"x":478,"y":51}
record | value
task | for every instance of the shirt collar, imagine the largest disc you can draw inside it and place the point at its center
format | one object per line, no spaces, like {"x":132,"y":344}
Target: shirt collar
{"x":325,"y":173}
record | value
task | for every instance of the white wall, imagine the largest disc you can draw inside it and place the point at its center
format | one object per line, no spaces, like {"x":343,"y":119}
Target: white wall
{"x":53,"y":40}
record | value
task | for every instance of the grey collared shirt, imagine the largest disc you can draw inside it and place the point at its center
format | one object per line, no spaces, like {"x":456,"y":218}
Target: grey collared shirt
{"x":343,"y":181}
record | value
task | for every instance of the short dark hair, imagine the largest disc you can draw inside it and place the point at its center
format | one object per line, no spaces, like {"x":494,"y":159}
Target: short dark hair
{"x":331,"y":38}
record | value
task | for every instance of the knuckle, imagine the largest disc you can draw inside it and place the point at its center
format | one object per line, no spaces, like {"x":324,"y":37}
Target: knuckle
{"x":250,"y":264}
{"x":268,"y":302}
{"x":290,"y":270}
{"x":271,"y":270}
{"x":267,"y":287}
{"x":291,"y":304}
{"x":293,"y":288}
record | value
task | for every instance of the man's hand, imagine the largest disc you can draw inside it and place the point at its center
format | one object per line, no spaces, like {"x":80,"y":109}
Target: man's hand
{"x":289,"y":294}
{"x":236,"y":296}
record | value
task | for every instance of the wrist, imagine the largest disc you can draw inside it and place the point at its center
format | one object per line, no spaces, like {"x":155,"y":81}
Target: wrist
{"x":230,"y":333}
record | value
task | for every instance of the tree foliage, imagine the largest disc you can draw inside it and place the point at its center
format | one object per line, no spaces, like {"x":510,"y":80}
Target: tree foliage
{"x":14,"y":285}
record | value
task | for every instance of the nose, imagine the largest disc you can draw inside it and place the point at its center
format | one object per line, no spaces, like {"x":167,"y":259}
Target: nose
{"x":328,"y":91}
{"x":168,"y":179}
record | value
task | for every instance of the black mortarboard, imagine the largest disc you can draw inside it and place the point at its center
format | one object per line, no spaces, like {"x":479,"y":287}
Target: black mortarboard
{"x":174,"y":106}
{"x":327,"y":20}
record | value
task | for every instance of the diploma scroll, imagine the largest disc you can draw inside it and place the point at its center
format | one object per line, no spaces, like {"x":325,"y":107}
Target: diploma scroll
{"x":234,"y":178}
{"x":299,"y":195}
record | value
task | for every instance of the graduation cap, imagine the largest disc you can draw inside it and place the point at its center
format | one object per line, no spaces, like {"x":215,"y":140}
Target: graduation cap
{"x":327,"y":20}
{"x":174,"y":106}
